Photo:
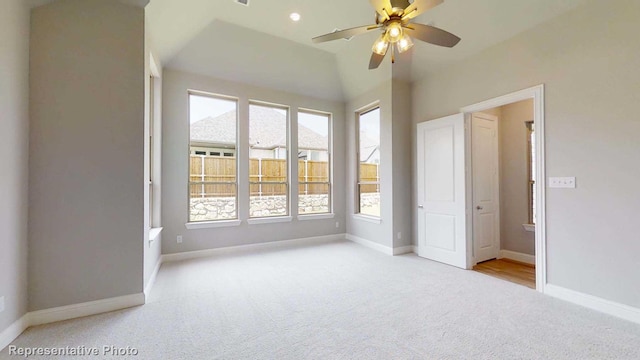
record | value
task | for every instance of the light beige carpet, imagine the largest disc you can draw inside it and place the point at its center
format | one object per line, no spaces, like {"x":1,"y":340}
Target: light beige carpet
{"x":342,"y":301}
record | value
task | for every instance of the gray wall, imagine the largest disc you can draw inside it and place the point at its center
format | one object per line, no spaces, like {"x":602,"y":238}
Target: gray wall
{"x":175,"y":166}
{"x":402,"y":156}
{"x":591,"y":96}
{"x":394,"y":99}
{"x":86,"y":152}
{"x":255,"y":58}
{"x":14,"y":157}
{"x":514,"y":196}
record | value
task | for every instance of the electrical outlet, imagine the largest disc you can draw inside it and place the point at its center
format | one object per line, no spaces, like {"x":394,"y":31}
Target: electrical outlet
{"x":562,"y":182}
{"x":337,"y":224}
{"x":399,"y":235}
{"x":1,"y":304}
{"x":179,"y":239}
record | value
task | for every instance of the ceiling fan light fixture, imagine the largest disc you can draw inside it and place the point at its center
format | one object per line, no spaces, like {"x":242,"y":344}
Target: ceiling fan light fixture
{"x":404,"y":44}
{"x":381,"y":45}
{"x":395,"y":19}
{"x":394,"y":31}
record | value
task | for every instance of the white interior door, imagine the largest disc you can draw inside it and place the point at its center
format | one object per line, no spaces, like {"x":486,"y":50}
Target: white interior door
{"x":486,"y":188}
{"x":442,"y":191}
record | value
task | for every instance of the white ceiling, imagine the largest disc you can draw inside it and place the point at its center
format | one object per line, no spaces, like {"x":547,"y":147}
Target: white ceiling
{"x":195,"y":26}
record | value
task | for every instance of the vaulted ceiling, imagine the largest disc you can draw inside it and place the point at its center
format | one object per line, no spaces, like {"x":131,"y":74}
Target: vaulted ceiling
{"x":259,"y":44}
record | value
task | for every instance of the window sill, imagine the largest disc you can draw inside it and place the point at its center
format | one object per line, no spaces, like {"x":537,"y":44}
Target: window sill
{"x":529,"y":227}
{"x":316,"y":216}
{"x":367,"y":218}
{"x":212,"y":224}
{"x":270,"y":220}
{"x":154,"y":233}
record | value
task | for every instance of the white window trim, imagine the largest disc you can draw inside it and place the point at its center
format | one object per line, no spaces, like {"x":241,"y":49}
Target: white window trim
{"x":154,"y":233}
{"x":358,"y":215}
{"x":329,"y":159}
{"x":316,"y":216}
{"x":269,"y":220}
{"x":367,"y":218}
{"x":212,"y":224}
{"x":289,"y":182}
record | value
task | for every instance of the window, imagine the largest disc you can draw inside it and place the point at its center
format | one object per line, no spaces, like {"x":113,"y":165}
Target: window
{"x":531,"y":155}
{"x":268,"y":161}
{"x":212,"y":179}
{"x":368,"y":145}
{"x":314,"y":163}
{"x":151,"y":144}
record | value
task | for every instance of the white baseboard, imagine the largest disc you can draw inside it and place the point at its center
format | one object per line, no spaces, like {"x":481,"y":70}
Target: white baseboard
{"x":370,"y":244}
{"x":13,"y":331}
{"x":61,"y":313}
{"x":84,"y":309}
{"x":152,"y":278}
{"x":516,"y":256}
{"x":595,"y":303}
{"x":402,"y":250}
{"x":251,"y":247}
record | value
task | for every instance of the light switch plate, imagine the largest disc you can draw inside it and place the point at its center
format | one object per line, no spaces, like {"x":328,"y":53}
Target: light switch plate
{"x":1,"y":304}
{"x":562,"y":182}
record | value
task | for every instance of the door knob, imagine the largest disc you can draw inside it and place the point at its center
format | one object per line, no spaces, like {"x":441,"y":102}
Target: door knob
{"x":479,"y":207}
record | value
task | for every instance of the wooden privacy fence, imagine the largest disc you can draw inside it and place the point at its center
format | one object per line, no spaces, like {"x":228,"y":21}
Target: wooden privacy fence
{"x":368,"y":174}
{"x":212,"y":176}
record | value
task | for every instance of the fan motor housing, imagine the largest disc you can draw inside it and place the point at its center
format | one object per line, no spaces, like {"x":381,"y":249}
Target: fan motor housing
{"x":399,"y":4}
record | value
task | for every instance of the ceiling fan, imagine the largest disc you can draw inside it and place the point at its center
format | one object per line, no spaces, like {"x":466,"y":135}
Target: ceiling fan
{"x":394,"y":17}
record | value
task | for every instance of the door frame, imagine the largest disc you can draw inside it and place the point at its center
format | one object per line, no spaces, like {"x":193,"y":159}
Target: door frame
{"x":537,"y":94}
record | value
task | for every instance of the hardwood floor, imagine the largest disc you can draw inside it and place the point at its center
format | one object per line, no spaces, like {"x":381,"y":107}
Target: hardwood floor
{"x":510,"y":270}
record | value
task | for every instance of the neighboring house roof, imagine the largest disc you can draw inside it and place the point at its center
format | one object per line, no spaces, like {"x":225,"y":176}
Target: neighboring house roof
{"x":266,"y":132}
{"x":220,"y":130}
{"x":369,"y":150}
{"x":370,"y":154}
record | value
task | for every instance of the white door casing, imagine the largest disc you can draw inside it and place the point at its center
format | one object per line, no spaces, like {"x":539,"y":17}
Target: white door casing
{"x":442,"y":227}
{"x":486,"y":187}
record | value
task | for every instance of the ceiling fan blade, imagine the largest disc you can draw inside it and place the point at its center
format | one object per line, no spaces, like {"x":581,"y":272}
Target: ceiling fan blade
{"x":418,"y":7}
{"x":376,"y":60}
{"x":432,"y":35}
{"x":344,"y":34}
{"x":383,"y":7}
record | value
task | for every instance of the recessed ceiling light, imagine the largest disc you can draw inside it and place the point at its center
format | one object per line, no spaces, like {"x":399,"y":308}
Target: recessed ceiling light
{"x":295,"y":16}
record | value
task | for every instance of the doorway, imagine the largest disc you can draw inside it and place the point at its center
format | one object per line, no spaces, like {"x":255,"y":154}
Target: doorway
{"x":520,"y":231}
{"x":445,"y":196}
{"x":503,"y":165}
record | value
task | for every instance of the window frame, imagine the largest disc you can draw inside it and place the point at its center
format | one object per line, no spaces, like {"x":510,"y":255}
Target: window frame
{"x":151,"y":150}
{"x":237,"y":158}
{"x":358,"y":195}
{"x":287,"y":184}
{"x":329,"y":160}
